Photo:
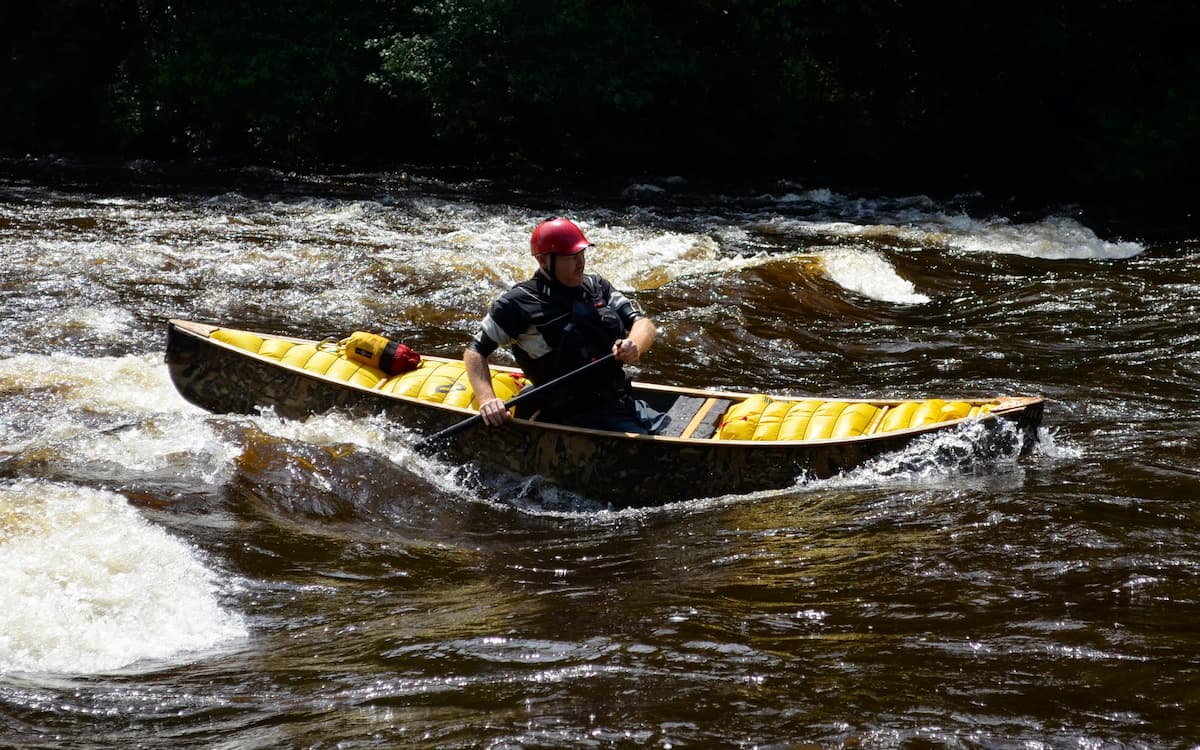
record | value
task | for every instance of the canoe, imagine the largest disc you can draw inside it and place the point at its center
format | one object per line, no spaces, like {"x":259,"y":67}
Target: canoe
{"x":718,"y":442}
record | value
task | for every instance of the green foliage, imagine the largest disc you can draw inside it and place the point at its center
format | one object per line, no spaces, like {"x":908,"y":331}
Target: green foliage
{"x":1088,"y":97}
{"x":268,"y":79}
{"x":57,"y":61}
{"x":617,"y":82}
{"x":263,"y":81}
{"x":1099,"y":97}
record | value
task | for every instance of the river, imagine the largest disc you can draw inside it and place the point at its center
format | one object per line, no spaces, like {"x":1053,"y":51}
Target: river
{"x":171,"y":578}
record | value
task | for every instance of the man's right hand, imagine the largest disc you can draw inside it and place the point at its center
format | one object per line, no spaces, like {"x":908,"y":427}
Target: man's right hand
{"x":494,"y":413}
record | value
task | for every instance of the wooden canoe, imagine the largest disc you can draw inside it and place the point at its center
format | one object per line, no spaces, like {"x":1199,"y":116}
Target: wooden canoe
{"x":719,"y":442}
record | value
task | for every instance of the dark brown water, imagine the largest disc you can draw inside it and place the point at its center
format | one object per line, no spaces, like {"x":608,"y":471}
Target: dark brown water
{"x":171,"y":578}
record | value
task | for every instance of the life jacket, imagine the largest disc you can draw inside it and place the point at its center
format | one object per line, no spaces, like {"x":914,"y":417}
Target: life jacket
{"x":579,"y":326}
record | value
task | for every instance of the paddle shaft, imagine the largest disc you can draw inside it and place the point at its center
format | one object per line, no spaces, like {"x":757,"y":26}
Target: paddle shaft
{"x":434,"y":440}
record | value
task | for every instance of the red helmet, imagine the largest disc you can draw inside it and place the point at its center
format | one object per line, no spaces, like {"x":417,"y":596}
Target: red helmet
{"x":558,"y":237}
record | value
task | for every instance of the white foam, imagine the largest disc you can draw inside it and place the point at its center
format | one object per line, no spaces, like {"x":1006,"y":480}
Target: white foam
{"x":920,"y":221}
{"x":103,"y":322}
{"x":636,"y":260}
{"x":642,"y":189}
{"x":154,"y":427}
{"x":820,"y":196}
{"x":869,"y":274}
{"x":935,"y":457}
{"x":495,"y":249}
{"x":378,"y":435}
{"x":883,"y":232}
{"x":1055,"y":238}
{"x":1051,"y":445}
{"x":137,"y":384}
{"x":89,"y":586}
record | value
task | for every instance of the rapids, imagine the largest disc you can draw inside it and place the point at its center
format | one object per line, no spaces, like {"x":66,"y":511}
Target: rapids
{"x":172,"y":578}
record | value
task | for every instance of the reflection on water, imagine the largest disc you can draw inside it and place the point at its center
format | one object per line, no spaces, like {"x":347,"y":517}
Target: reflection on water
{"x":175,"y":578}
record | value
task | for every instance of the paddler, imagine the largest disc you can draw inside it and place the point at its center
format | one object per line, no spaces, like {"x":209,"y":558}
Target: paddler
{"x":559,"y":321}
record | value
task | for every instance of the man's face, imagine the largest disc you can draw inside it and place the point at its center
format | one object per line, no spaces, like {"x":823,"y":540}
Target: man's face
{"x":568,"y":269}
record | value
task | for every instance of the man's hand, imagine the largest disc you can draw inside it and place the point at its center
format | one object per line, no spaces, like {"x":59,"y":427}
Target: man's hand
{"x":493,"y":412}
{"x":626,"y":350}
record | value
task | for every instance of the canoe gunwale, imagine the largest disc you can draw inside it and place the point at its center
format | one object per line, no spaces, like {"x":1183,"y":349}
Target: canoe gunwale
{"x":1008,"y":406}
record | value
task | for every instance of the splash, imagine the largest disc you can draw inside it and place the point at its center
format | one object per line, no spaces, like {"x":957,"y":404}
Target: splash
{"x":1052,"y":444}
{"x":975,"y":448}
{"x":921,"y":223}
{"x":112,"y":415}
{"x":106,"y":324}
{"x":375,"y":434}
{"x":870,"y":275}
{"x":130,"y":384}
{"x":636,"y":260}
{"x":1054,"y":238}
{"x":89,"y":586}
{"x":490,"y":252}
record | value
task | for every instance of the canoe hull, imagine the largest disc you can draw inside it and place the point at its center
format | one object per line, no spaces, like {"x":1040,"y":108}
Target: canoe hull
{"x":620,"y":469}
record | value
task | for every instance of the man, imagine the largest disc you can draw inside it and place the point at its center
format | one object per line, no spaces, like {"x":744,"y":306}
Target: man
{"x":558,"y":321}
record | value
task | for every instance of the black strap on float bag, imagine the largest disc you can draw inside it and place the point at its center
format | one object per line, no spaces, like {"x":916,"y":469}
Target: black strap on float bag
{"x":393,"y":357}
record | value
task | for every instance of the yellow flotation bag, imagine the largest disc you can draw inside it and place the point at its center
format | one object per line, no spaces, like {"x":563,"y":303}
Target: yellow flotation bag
{"x":439,"y":382}
{"x":321,"y":359}
{"x":447,"y":383}
{"x":761,"y":417}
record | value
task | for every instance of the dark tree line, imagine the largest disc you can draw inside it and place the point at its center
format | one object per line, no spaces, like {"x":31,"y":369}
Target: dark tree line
{"x":1056,"y":95}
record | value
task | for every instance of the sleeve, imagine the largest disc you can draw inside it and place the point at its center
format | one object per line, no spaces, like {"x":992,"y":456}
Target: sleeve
{"x":494,"y":328}
{"x":482,"y":343}
{"x":625,"y":308}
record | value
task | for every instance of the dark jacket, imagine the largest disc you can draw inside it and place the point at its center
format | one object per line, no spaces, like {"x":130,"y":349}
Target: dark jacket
{"x":553,"y":329}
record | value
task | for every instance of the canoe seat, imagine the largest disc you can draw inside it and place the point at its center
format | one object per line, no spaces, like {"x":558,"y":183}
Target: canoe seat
{"x":764,"y":418}
{"x":695,"y":417}
{"x":681,"y":413}
{"x":441,"y":382}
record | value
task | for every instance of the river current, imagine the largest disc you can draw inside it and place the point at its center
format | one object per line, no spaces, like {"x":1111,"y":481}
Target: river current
{"x":172,"y":578}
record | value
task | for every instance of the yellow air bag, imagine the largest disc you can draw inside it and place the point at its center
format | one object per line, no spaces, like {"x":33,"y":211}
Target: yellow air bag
{"x":770,"y":420}
{"x":899,"y":417}
{"x":305,"y":356}
{"x":506,"y":385}
{"x":955,"y":410}
{"x":276,"y":348}
{"x":432,"y":381}
{"x":854,"y":420}
{"x":241,"y":339}
{"x":796,"y":422}
{"x":820,"y":427}
{"x":321,"y":361}
{"x":447,"y":383}
{"x":927,"y":412}
{"x":741,"y":420}
{"x":760,"y":417}
{"x":298,"y":356}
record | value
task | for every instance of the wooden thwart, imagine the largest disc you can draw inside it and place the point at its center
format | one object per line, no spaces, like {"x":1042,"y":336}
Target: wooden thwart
{"x":877,"y":422}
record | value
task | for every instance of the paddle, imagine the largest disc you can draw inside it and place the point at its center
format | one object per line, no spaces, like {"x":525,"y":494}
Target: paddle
{"x":432,"y":442}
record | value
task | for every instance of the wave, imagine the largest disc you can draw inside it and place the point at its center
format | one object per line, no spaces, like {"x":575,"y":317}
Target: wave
{"x":90,"y":586}
{"x":870,"y":274}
